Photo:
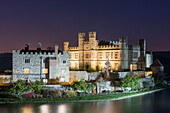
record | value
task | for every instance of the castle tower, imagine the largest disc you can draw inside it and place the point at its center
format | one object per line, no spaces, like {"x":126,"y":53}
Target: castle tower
{"x":92,"y":40}
{"x":66,"y":44}
{"x":122,"y":41}
{"x":124,"y":64}
{"x":142,"y":43}
{"x":81,"y":39}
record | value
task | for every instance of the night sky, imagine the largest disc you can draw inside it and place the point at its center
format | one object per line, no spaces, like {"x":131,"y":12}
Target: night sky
{"x":54,"y":21}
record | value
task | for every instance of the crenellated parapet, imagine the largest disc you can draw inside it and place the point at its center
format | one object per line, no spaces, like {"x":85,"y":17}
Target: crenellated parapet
{"x":31,"y":53}
{"x":108,"y":47}
{"x":73,"y":48}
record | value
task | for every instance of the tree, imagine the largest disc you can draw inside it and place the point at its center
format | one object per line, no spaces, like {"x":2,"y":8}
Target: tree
{"x":79,"y":85}
{"x":132,"y":81}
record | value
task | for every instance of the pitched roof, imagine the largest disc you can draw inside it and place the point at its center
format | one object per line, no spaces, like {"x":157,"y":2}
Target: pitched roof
{"x":156,"y":63}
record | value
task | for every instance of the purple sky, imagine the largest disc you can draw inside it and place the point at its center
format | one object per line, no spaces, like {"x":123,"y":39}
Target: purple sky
{"x":55,"y":21}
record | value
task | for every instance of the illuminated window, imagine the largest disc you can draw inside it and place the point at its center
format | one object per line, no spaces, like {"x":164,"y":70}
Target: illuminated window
{"x":133,"y":67}
{"x":87,"y":55}
{"x":27,"y":71}
{"x":111,"y":55}
{"x":27,"y":60}
{"x":100,"y":55}
{"x":63,"y":71}
{"x":45,"y":81}
{"x":107,"y":54}
{"x":116,"y":55}
{"x":45,"y":71}
{"x":76,"y":55}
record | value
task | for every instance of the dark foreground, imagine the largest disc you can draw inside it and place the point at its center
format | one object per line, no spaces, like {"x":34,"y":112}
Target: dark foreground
{"x":157,"y":102}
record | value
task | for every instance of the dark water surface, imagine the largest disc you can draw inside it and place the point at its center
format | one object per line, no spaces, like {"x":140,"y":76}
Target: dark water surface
{"x":158,"y":102}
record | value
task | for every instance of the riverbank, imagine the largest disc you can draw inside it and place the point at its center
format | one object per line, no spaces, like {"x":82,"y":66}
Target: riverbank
{"x":92,"y":98}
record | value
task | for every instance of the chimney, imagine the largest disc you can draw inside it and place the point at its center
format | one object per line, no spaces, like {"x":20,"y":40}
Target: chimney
{"x":39,"y":46}
{"x":26,"y":47}
{"x":56,"y":51}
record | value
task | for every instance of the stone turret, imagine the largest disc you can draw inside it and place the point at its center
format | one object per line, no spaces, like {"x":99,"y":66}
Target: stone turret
{"x":142,"y":64}
{"x":56,"y":51}
{"x":92,"y":40}
{"x":122,"y":42}
{"x":124,"y":64}
{"x":81,"y":38}
{"x":66,"y":44}
{"x":142,"y":43}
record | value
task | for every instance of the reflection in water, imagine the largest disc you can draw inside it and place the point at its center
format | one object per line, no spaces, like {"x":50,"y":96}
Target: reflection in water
{"x":45,"y":108}
{"x":157,"y":102}
{"x":62,"y":108}
{"x":27,"y":109}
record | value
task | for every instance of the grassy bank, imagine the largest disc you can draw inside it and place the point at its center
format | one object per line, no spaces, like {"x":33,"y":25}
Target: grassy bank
{"x":113,"y":96}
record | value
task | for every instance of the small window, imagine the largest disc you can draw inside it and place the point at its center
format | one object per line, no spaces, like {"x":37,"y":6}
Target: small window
{"x":107,"y":54}
{"x":27,"y":60}
{"x":45,"y":71}
{"x":76,"y":55}
{"x":87,"y":56}
{"x":64,"y":61}
{"x":100,"y":55}
{"x":116,"y":55}
{"x":27,"y":71}
{"x":111,"y":55}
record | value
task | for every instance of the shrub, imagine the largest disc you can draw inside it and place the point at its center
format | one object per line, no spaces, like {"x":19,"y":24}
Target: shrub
{"x":56,"y":93}
{"x":35,"y":86}
{"x":90,"y":88}
{"x":21,"y":86}
{"x":71,"y":93}
{"x":132,"y":81}
{"x":79,"y":85}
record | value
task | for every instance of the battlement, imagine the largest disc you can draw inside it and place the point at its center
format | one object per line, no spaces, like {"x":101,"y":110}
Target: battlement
{"x":81,"y":35}
{"x":73,"y":48}
{"x":33,"y":52}
{"x":108,"y":47}
{"x":92,"y":34}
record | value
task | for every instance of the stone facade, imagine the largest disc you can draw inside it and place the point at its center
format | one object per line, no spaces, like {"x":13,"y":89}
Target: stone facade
{"x":92,"y":54}
{"x":40,"y":65}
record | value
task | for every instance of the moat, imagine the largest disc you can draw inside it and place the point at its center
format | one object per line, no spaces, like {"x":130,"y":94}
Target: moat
{"x":150,"y":103}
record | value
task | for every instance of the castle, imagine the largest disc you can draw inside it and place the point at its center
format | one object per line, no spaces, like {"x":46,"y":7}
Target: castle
{"x":41,"y":65}
{"x":93,"y":54}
